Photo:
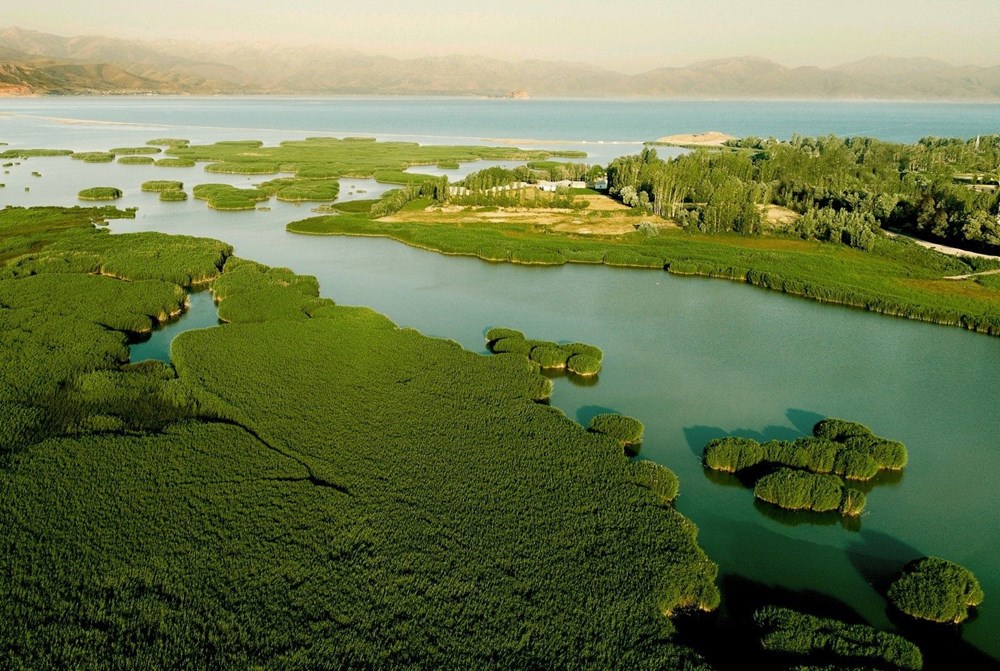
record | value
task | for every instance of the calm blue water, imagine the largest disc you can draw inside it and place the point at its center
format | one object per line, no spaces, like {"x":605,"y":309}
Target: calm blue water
{"x":472,"y":120}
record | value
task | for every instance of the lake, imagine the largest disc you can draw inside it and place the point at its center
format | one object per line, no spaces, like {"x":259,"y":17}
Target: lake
{"x":692,"y":358}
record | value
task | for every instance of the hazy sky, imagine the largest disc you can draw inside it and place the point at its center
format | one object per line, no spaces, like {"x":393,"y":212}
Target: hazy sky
{"x":628,"y":35}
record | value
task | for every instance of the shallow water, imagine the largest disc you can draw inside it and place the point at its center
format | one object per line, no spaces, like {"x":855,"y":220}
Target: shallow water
{"x":201,"y":312}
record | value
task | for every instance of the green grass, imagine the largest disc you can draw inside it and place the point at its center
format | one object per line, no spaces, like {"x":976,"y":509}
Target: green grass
{"x":136,"y":160}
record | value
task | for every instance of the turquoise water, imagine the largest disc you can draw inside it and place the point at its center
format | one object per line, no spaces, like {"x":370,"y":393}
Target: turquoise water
{"x":692,"y":358}
{"x":201,"y":312}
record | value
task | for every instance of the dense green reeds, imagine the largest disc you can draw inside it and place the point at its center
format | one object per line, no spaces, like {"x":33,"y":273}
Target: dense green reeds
{"x":136,"y":160}
{"x":805,"y":474}
{"x":803,"y":637}
{"x":626,"y":430}
{"x":167,"y":142}
{"x":843,"y":448}
{"x":937,"y":590}
{"x":577,"y":358}
{"x":794,"y":489}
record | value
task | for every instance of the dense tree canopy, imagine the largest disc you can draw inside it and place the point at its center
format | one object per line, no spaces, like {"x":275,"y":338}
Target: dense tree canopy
{"x":846,"y":189}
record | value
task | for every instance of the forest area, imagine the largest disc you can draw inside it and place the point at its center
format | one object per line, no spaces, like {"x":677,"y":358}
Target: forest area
{"x":845,"y":189}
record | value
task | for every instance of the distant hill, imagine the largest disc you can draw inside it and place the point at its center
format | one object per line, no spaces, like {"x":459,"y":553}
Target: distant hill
{"x":40,"y":63}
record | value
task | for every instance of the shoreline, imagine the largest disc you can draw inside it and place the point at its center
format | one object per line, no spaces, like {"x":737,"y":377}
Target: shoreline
{"x":773,"y":283}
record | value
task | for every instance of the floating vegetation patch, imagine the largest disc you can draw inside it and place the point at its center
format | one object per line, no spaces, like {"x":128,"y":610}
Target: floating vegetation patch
{"x":806,"y":473}
{"x":937,"y":590}
{"x":226,"y":197}
{"x":296,"y":190}
{"x":173,"y":195}
{"x":795,"y":635}
{"x":801,"y":490}
{"x":245,"y":168}
{"x":100,"y":193}
{"x":31,"y":153}
{"x":168,"y":142}
{"x":148,"y":149}
{"x":175,"y":163}
{"x":158,"y":185}
{"x":577,"y":358}
{"x":93,"y":156}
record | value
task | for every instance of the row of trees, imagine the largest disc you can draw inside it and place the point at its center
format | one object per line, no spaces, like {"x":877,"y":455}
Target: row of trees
{"x":939,"y":189}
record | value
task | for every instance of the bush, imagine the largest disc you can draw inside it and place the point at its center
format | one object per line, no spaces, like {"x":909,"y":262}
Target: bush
{"x":100,"y":193}
{"x":937,"y":590}
{"x":626,"y":430}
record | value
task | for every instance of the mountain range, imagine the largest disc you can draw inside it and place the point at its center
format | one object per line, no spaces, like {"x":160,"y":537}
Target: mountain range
{"x":34,"y":63}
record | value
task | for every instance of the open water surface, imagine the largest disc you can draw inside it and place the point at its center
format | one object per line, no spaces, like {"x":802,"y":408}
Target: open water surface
{"x":692,"y":358}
